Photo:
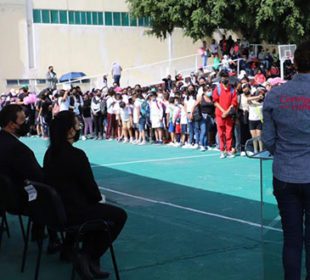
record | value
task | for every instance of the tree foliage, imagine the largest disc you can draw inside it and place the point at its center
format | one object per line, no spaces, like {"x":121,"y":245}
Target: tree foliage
{"x":277,"y":21}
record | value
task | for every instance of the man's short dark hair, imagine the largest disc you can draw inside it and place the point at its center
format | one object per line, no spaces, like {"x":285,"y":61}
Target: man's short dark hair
{"x":302,"y":57}
{"x":224,"y":74}
{"x":9,"y":114}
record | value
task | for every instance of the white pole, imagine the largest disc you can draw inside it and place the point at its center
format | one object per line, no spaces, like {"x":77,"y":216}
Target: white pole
{"x":282,"y":68}
{"x":169,"y":53}
{"x":30,"y":37}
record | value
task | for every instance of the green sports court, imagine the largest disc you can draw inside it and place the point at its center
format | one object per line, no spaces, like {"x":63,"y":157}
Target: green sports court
{"x":191,"y":215}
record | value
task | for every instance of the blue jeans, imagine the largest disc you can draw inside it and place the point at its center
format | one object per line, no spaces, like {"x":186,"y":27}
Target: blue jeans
{"x":204,"y":129}
{"x":204,"y":61}
{"x":237,"y":134}
{"x":294,"y":203}
{"x":197,"y":131}
{"x":191,"y":129}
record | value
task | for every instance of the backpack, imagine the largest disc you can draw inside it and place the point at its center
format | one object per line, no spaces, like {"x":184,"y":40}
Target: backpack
{"x":145,"y":109}
{"x":232,"y":90}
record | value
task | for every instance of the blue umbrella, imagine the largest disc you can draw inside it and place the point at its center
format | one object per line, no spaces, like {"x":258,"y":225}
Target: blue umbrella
{"x":71,"y":76}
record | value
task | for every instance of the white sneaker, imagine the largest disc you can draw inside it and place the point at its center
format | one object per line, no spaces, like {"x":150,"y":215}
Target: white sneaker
{"x":196,"y":146}
{"x":170,"y":144}
{"x":177,"y":145}
{"x":83,"y":138}
{"x":202,"y":149}
{"x":125,"y":140}
{"x":230,"y":155}
{"x":186,"y":146}
{"x":222,"y":155}
{"x":142,"y":143}
{"x":242,"y":154}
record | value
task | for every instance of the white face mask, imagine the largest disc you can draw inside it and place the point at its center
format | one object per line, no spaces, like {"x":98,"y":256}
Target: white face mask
{"x":209,"y":93}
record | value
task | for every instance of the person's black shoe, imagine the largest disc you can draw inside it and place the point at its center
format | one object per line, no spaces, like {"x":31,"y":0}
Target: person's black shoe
{"x":81,"y":266}
{"x":53,"y":247}
{"x":94,"y":266}
{"x":66,"y":255}
{"x":37,"y":236}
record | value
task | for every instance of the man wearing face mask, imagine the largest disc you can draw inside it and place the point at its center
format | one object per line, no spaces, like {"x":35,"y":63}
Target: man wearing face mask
{"x":225,"y":101}
{"x":18,"y":162}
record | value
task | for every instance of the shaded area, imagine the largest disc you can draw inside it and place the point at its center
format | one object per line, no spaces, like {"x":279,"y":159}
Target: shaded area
{"x":161,"y":241}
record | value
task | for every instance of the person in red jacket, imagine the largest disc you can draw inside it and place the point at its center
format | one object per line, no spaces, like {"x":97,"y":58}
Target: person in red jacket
{"x":225,"y":101}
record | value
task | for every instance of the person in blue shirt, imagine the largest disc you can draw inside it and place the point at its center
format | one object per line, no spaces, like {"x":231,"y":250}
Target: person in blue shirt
{"x":286,"y":134}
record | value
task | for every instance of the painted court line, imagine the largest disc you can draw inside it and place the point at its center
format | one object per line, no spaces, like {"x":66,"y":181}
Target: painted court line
{"x":152,"y":160}
{"x":191,"y":209}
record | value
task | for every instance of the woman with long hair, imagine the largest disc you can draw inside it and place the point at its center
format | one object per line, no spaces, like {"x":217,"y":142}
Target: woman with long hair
{"x":68,"y":170}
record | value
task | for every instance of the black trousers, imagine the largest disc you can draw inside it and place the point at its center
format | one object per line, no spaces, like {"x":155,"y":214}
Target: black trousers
{"x":294,"y":205}
{"x":96,"y":243}
{"x":98,"y":123}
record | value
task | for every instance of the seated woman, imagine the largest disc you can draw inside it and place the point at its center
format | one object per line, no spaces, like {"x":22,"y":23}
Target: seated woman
{"x":67,"y":169}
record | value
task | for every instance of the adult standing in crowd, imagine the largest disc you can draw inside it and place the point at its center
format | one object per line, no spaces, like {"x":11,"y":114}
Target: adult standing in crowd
{"x":68,"y":170}
{"x":286,"y":134}
{"x":225,"y":101}
{"x":116,"y":73}
{"x":51,"y":78}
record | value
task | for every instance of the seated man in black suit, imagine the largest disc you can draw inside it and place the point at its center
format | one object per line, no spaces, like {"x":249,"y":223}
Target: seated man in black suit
{"x":17,"y":161}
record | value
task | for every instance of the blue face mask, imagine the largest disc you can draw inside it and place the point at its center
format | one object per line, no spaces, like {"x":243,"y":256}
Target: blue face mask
{"x":209,"y":93}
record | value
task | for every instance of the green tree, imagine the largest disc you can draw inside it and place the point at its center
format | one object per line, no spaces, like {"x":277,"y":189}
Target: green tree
{"x":271,"y":20}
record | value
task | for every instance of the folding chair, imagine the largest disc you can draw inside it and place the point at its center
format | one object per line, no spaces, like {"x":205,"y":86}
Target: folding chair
{"x":10,"y":202}
{"x":47,"y":208}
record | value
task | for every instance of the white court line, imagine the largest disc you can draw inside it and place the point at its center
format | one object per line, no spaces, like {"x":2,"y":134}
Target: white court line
{"x":191,"y":209}
{"x":151,"y":160}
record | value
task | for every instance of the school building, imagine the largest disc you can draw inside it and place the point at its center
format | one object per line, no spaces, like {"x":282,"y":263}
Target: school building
{"x":84,"y":36}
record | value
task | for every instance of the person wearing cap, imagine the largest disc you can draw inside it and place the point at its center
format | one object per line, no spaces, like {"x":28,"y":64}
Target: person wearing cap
{"x":286,"y":134}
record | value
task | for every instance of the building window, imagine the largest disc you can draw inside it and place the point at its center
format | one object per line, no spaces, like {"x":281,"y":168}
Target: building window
{"x":125,"y":19}
{"x":141,"y":21}
{"x":95,"y":18}
{"x":77,"y":17}
{"x":117,"y":19}
{"x":63,"y":17}
{"x":12,"y":82}
{"x":89,"y":18}
{"x":133,"y":21}
{"x":41,"y":81}
{"x":71,"y":17}
{"x":37,"y":16}
{"x":83,"y":18}
{"x":46,"y":16}
{"x":100,"y":18}
{"x":108,"y":18}
{"x":55,"y":16}
{"x":147,"y":21}
{"x":23,"y":82}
